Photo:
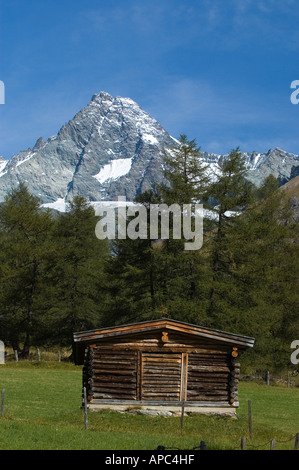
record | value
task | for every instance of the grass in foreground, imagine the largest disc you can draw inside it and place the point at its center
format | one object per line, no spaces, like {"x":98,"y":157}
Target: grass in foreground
{"x":43,"y":411}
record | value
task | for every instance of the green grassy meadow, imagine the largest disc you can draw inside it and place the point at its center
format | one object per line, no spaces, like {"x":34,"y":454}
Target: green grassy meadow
{"x":43,"y":412}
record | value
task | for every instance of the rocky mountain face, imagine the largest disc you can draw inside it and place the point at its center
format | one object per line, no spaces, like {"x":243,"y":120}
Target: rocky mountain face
{"x":110,"y":148}
{"x":113,"y":148}
{"x":292,"y":191}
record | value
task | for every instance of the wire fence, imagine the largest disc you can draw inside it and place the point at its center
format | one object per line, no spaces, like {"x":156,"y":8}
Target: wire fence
{"x":270,"y":445}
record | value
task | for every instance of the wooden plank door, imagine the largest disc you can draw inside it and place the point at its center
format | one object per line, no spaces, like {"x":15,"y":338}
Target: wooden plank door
{"x":161,"y":376}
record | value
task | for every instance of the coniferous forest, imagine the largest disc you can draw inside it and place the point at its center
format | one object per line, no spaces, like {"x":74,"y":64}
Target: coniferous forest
{"x":57,"y":277}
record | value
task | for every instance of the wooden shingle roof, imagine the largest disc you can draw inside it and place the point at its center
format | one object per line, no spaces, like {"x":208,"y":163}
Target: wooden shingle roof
{"x":83,"y":338}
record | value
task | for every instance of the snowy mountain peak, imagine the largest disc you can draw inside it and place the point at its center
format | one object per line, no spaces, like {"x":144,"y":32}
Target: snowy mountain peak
{"x":110,"y":148}
{"x":102,"y":96}
{"x":113,"y":148}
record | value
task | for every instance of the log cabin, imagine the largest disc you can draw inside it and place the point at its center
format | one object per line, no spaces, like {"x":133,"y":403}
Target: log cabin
{"x":161,"y":365}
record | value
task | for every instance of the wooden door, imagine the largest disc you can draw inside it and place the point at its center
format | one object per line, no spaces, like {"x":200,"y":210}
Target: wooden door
{"x":161,"y":376}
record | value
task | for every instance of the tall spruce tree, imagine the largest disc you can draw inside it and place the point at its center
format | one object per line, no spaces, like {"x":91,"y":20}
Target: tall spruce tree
{"x":231,"y":193}
{"x":183,"y":277}
{"x":25,"y":233}
{"x":173,"y":277}
{"x":132,"y":273}
{"x":76,"y":282}
{"x":266,"y":276}
{"x":186,"y":175}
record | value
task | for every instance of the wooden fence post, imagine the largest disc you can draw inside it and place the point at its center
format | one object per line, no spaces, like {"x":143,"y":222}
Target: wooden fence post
{"x":243,"y":443}
{"x":85,"y":408}
{"x":2,"y":352}
{"x":249,"y":419}
{"x":182,"y":415}
{"x":2,"y":402}
{"x":268,"y":377}
{"x":16,"y":355}
{"x":272,"y":444}
{"x":202,"y":445}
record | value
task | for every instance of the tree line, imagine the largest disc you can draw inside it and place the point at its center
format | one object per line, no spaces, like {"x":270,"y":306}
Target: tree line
{"x":57,"y":277}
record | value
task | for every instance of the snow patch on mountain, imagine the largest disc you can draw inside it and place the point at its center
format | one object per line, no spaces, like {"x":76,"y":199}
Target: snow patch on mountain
{"x":255,"y":161}
{"x":26,"y":158}
{"x":151,"y":139}
{"x":114,"y":169}
{"x":59,"y":205}
{"x":3,"y":164}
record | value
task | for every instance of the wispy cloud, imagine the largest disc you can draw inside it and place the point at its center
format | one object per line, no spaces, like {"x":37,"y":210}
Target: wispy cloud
{"x":219,"y":118}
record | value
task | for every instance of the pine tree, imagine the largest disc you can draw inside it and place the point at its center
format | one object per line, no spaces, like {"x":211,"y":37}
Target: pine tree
{"x":25,"y":231}
{"x":187,"y":181}
{"x":76,"y":284}
{"x":266,"y":276}
{"x":131,"y":273}
{"x":151,"y":278}
{"x":130,"y":282}
{"x":186,"y":175}
{"x":231,"y":193}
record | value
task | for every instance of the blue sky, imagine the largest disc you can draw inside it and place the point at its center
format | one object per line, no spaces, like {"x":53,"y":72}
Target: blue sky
{"x":218,"y":71}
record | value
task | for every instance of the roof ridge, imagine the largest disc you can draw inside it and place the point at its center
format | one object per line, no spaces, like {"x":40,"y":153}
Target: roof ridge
{"x":100,"y":332}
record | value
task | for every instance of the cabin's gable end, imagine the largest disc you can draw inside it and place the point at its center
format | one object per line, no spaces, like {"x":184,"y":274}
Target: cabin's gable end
{"x":162,"y":363}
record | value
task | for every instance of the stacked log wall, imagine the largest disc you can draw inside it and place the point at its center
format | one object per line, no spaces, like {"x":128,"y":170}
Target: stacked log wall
{"x":114,"y":374}
{"x":148,"y":370}
{"x":208,"y":377}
